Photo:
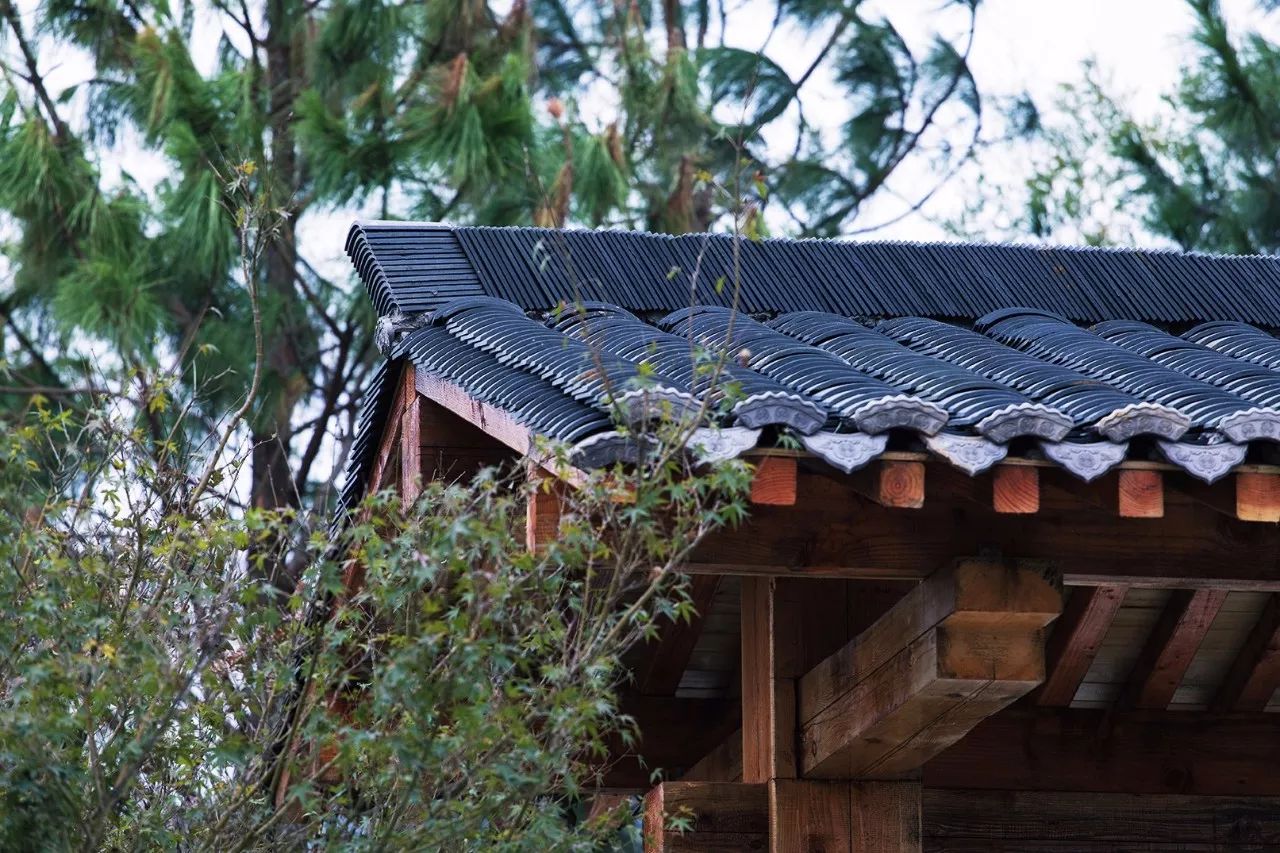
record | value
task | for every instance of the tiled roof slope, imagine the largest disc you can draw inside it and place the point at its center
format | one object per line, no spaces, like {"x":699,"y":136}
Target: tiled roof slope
{"x":1198,"y":387}
{"x":414,"y":267}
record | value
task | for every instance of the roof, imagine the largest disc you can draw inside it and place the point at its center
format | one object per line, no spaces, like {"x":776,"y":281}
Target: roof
{"x":1084,"y":357}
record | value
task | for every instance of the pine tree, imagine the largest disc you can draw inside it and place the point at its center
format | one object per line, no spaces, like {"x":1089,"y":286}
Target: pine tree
{"x":628,"y":113}
{"x":1204,"y":174}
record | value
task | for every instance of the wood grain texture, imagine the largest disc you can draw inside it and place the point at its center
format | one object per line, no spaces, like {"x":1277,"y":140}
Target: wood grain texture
{"x":960,"y":647}
{"x":1104,"y":751}
{"x":774,"y":482}
{"x":768,"y":696}
{"x":1140,"y":494}
{"x":1257,"y":496}
{"x":886,"y":816}
{"x":1170,"y":648}
{"x":726,"y":818}
{"x":1255,"y":674}
{"x":892,"y":484}
{"x":958,"y":821}
{"x":1075,"y":640}
{"x":808,"y":815}
{"x":542,"y":514}
{"x":410,"y":441}
{"x":1015,"y":489}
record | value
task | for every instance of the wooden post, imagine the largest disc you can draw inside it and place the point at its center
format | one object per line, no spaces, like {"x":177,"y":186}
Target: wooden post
{"x":768,"y":683}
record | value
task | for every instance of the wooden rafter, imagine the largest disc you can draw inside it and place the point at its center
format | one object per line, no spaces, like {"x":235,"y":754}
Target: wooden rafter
{"x":1170,"y":648}
{"x":1255,"y":674}
{"x":1075,"y":641}
{"x":963,"y":645}
{"x":676,"y":642}
{"x":891,"y":483}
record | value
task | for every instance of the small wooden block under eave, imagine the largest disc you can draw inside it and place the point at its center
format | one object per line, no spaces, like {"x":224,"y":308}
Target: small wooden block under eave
{"x":963,"y":645}
{"x":1015,"y":489}
{"x":1140,"y":494}
{"x":891,"y":483}
{"x":774,"y":483}
{"x":717,"y":817}
{"x":1257,"y":496}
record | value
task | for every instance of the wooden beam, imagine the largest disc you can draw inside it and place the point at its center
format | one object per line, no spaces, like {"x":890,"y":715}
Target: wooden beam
{"x":844,"y":817}
{"x":963,"y":645}
{"x":774,"y":483}
{"x":1015,"y":489}
{"x":1255,"y":674}
{"x":768,"y":683}
{"x":676,"y":641}
{"x":833,"y":531}
{"x":1075,"y":641}
{"x":1037,"y":822}
{"x":1169,"y":649}
{"x":1103,"y":750}
{"x":410,"y":440}
{"x":893,"y":484}
{"x":706,"y":817}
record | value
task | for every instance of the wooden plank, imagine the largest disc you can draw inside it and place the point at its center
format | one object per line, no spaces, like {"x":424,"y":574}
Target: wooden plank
{"x":720,"y":818}
{"x":835,"y":532}
{"x":1102,"y":750}
{"x":1257,"y":496}
{"x":963,"y":645}
{"x":886,"y":816}
{"x":892,"y":484}
{"x":809,"y":815}
{"x":1015,"y":489}
{"x":774,"y":482}
{"x":1075,"y":641}
{"x":1170,"y":648}
{"x":542,"y":514}
{"x":1140,"y":494}
{"x":768,"y":683}
{"x":1255,"y":674}
{"x":677,"y":640}
{"x":1039,"y":822}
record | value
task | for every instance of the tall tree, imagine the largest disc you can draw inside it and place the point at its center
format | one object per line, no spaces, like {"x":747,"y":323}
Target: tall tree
{"x":1203,"y":174}
{"x":629,"y":113}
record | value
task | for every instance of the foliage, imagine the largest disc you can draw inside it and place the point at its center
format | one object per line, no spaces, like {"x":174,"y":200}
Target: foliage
{"x":1202,"y":174}
{"x":556,"y":112}
{"x":430,"y":683}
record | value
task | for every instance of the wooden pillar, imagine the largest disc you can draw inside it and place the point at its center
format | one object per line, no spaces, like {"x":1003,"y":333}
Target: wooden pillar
{"x":769,"y":662}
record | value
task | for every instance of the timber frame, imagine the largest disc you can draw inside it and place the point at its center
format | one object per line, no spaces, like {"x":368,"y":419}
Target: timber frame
{"x":922,"y":657}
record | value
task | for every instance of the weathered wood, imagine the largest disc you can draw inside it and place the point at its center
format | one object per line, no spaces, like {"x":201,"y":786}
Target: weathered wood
{"x":886,"y":816}
{"x":410,"y":441}
{"x":1257,"y":496}
{"x":833,"y":531}
{"x":809,"y":815}
{"x":768,"y":683}
{"x":676,"y":642}
{"x":964,"y":644}
{"x":1255,"y":674}
{"x":452,"y":449}
{"x":1035,"y":822}
{"x":1075,"y":640}
{"x":1015,"y":489}
{"x":892,"y":484}
{"x":1101,"y":750}
{"x":542,"y":514}
{"x":722,"y":818}
{"x":1170,"y":648}
{"x":774,"y":482}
